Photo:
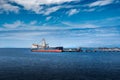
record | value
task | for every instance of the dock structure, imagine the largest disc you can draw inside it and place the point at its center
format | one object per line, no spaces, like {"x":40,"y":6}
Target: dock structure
{"x":102,"y":49}
{"x":72,"y":50}
{"x":109,"y":49}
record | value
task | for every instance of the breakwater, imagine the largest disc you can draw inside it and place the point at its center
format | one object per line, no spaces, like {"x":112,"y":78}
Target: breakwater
{"x":100,"y":49}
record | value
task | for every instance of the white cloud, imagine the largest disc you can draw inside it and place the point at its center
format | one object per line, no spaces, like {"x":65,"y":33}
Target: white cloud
{"x":40,"y":2}
{"x":96,"y":36}
{"x":113,"y":18}
{"x":50,"y":10}
{"x":22,"y":35}
{"x":117,"y":1}
{"x":48,"y":18}
{"x":31,"y":5}
{"x":107,"y":35}
{"x":20,"y":25}
{"x":33,"y":25}
{"x":86,"y":25}
{"x":6,"y":7}
{"x":13,"y":25}
{"x":35,"y":5}
{"x":100,"y":3}
{"x":110,"y":21}
{"x":89,"y":10}
{"x":72,"y":12}
{"x":33,"y":22}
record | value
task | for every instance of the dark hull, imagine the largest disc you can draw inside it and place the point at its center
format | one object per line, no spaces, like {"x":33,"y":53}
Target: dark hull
{"x":47,"y":50}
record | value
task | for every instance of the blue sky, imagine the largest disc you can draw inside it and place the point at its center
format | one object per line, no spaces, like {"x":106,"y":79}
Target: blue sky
{"x":68,"y":23}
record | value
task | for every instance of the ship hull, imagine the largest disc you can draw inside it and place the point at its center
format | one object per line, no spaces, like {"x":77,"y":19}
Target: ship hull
{"x":46,"y":50}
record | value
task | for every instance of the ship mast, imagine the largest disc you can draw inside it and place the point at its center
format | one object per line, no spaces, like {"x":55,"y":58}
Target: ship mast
{"x":44,"y":45}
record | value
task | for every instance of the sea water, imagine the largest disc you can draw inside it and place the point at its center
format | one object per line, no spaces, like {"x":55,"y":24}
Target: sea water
{"x":22,"y":64}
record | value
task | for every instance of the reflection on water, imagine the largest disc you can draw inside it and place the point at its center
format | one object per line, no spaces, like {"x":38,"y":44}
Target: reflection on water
{"x":21,"y":64}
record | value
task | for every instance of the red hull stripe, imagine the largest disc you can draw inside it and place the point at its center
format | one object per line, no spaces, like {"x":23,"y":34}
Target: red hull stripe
{"x":46,"y":50}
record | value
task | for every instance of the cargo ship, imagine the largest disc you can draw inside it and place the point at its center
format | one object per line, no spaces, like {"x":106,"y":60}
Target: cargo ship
{"x":44,"y":47}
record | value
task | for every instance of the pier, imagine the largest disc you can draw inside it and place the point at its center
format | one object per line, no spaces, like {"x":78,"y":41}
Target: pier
{"x":102,"y":49}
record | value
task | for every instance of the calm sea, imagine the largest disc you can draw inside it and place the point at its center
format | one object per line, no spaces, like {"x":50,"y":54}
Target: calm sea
{"x":22,"y":64}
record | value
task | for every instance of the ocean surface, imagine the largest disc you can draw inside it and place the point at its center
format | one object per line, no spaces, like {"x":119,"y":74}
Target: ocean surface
{"x":22,"y":64}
